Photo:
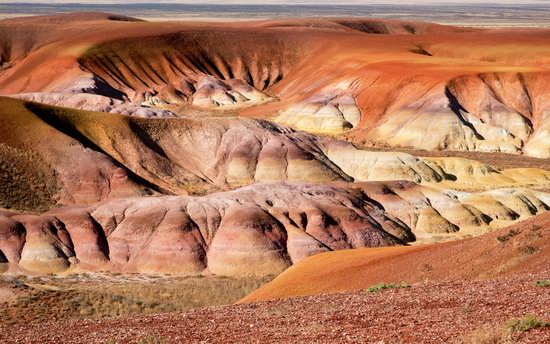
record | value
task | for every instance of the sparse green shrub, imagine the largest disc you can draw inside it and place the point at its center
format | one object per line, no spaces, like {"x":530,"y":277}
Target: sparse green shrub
{"x":504,"y":238}
{"x":526,"y":323}
{"x":381,"y":286}
{"x":543,"y":283}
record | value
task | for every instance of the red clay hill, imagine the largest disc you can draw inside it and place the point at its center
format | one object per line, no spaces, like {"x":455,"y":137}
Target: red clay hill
{"x":281,"y":146}
{"x":516,"y":250}
{"x":374,"y":81}
{"x":113,"y":109}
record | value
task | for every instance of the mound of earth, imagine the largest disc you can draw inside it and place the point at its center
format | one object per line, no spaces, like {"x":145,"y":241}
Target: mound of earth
{"x":435,"y":214}
{"x":73,"y":172}
{"x":520,"y":248}
{"x":121,"y":156}
{"x":258,"y":230}
{"x":395,"y":83}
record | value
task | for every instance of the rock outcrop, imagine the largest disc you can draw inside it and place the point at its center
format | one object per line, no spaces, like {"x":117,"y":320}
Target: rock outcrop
{"x":211,"y":92}
{"x":96,"y":156}
{"x":94,"y":102}
{"x":257,"y":230}
{"x":330,"y":111}
{"x":377,"y":81}
{"x":435,"y":214}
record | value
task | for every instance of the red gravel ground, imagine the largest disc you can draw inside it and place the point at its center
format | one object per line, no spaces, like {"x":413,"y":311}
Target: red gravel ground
{"x":442,"y":312}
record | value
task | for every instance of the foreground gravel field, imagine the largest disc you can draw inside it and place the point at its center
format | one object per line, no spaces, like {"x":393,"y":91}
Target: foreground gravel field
{"x":443,"y":312}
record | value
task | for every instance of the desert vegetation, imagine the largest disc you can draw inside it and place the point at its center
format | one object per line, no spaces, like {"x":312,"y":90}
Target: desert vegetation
{"x":505,"y":333}
{"x":94,"y":296}
{"x":526,"y":323}
{"x":542,"y":283}
{"x":504,"y":238}
{"x":382,"y":286}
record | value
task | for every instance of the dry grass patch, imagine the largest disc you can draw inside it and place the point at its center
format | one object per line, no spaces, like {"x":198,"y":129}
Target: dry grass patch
{"x":504,"y":238}
{"x":503,"y":334}
{"x":103,"y":296}
{"x":26,"y":182}
{"x":526,"y":323}
{"x":488,"y":335}
{"x":381,"y":286}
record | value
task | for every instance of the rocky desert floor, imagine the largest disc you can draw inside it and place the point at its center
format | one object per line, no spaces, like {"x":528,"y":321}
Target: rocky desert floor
{"x":502,"y":310}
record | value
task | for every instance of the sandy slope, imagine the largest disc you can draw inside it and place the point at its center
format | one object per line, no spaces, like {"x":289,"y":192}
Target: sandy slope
{"x":517,"y":249}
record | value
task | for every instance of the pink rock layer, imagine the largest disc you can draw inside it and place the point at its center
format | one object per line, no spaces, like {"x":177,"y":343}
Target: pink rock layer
{"x":256,"y":230}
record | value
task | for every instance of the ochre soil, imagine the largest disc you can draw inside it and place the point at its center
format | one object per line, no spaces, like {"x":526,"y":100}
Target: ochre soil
{"x":520,"y":248}
{"x":435,"y":312}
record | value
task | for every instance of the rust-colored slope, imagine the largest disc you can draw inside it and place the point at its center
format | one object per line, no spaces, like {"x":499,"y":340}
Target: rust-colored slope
{"x":397,"y":83}
{"x":521,"y":248}
{"x":22,"y":35}
{"x":169,"y":59}
{"x":76,"y":170}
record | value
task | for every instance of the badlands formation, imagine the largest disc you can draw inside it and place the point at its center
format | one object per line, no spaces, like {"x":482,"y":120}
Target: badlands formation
{"x":156,"y":160}
{"x":243,"y":148}
{"x":402,"y":84}
{"x":152,"y":195}
{"x":518,"y":249}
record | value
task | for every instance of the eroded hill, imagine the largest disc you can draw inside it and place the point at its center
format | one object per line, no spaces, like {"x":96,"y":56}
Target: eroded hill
{"x":118,"y":134}
{"x":515,"y":250}
{"x":402,"y":84}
